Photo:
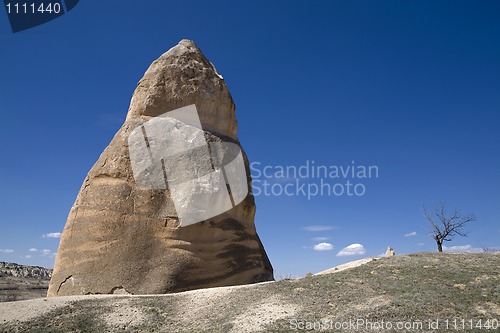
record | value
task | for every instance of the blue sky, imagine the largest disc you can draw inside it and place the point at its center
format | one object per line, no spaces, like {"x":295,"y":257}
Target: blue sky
{"x":410,"y":87}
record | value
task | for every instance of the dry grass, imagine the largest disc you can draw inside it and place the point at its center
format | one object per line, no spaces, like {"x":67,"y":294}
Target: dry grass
{"x":417,"y":288}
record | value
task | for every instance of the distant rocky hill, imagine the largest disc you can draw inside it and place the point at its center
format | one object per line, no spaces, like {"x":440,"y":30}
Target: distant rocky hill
{"x":21,"y":271}
{"x":424,"y":292}
{"x":18,"y":282}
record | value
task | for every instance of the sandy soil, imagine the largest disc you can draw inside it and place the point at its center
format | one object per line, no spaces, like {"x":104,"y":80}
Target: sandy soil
{"x":25,"y":310}
{"x":199,"y":300}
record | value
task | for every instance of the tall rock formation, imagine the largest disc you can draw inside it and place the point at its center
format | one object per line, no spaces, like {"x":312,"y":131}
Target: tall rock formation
{"x":123,"y":238}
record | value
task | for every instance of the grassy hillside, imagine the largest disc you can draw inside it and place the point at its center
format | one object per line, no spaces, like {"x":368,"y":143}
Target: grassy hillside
{"x":407,"y":293}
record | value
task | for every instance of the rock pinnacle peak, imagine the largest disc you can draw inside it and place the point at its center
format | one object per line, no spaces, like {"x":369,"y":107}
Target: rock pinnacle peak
{"x":180,"y":77}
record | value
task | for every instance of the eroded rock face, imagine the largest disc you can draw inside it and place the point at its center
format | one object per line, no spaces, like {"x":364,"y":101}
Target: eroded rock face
{"x":122,"y":238}
{"x":21,"y":271}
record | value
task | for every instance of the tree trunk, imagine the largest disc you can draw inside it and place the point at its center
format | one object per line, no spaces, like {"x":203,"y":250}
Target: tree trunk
{"x":440,"y":246}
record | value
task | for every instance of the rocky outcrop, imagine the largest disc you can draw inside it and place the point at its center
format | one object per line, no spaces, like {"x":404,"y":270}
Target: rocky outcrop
{"x":19,"y":282}
{"x":390,"y":252}
{"x":123,"y":238}
{"x":20,"y":271}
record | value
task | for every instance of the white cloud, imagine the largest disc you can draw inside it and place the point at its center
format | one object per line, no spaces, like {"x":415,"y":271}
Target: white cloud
{"x":28,"y":256}
{"x":320,"y":239}
{"x":319,"y":228}
{"x":420,"y":244}
{"x":52,"y":235}
{"x":411,"y":234}
{"x":323,"y":247}
{"x":33,"y":250}
{"x":45,"y":252}
{"x":462,"y":248}
{"x":352,"y":250}
{"x":6,"y":250}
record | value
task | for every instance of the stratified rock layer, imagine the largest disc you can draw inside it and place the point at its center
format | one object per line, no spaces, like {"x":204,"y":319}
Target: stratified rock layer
{"x":21,"y":271}
{"x":120,"y":238}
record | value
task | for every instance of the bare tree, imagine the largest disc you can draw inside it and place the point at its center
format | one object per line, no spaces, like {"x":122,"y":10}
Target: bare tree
{"x":446,"y":226}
